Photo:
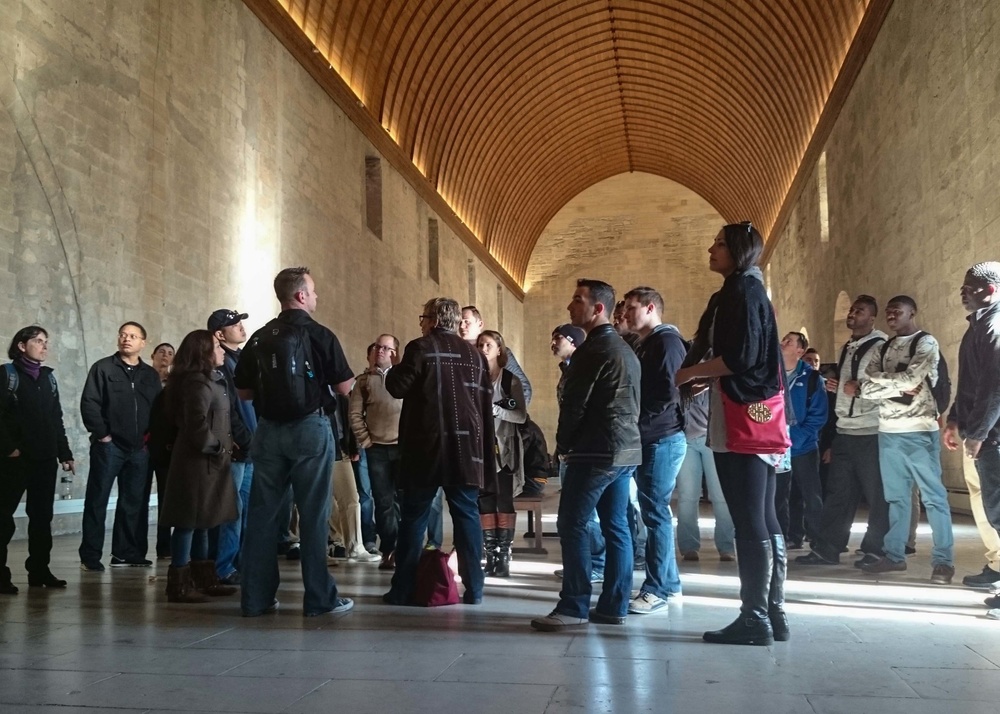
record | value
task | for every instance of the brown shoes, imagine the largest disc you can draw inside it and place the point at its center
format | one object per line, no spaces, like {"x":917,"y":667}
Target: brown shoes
{"x":942,"y":574}
{"x":690,"y":556}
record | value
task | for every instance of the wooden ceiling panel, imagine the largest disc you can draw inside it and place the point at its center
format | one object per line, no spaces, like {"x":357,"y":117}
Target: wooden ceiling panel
{"x":509,"y":108}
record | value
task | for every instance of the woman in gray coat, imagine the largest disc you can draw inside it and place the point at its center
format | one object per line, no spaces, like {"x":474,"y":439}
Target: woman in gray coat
{"x":199,"y":491}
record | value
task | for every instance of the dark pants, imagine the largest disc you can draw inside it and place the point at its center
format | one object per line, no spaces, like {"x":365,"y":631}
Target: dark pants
{"x":383,"y":471}
{"x":162,"y":532}
{"x":503,"y":500}
{"x":798,"y":498}
{"x":415,"y":513}
{"x":988,"y":468}
{"x":38,"y":479}
{"x":748,"y":483}
{"x":854,"y":470}
{"x":362,"y":481}
{"x":108,"y":462}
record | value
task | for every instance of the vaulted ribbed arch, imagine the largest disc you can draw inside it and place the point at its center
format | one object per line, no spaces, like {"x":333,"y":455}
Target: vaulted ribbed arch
{"x":509,"y":108}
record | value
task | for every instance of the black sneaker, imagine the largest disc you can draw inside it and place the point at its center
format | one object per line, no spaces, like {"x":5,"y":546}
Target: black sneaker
{"x":869,"y":559}
{"x":814,"y":558}
{"x":993,"y":601}
{"x":94,"y":567}
{"x":909,"y":551}
{"x":983,"y":581}
{"x":294,"y":552}
{"x":117,"y":562}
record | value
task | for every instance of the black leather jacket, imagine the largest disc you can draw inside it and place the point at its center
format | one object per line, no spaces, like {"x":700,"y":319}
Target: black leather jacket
{"x":599,"y":413}
{"x":977,"y":400}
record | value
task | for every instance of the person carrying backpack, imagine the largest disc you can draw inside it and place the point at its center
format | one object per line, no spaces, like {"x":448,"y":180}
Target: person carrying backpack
{"x":32,"y":442}
{"x":902,"y":377}
{"x":854,"y":465}
{"x":290,"y":368}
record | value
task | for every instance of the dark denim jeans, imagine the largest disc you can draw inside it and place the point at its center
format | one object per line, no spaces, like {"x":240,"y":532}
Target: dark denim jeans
{"x":297,"y":454}
{"x":187,"y":544}
{"x":38,"y":478}
{"x":598,"y":550}
{"x":584,"y":488}
{"x":463,"y":502}
{"x":656,"y":478}
{"x":362,"y":481}
{"x":108,"y":462}
{"x":383,"y":470}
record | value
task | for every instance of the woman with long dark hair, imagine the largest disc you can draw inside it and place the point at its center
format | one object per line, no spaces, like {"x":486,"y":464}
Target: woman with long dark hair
{"x":496,"y":502}
{"x":736,"y":354}
{"x":32,"y":444}
{"x":199,"y":492}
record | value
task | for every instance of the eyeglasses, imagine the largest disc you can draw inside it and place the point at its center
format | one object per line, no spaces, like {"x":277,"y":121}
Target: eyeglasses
{"x":383,"y":348}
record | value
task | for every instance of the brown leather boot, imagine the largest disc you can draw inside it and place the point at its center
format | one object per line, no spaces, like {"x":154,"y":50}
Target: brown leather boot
{"x":180,"y":588}
{"x":207,"y":581}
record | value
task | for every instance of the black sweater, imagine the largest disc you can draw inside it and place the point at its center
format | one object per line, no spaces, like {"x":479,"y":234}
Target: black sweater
{"x":32,"y":421}
{"x":660,"y":354}
{"x":746,"y":337}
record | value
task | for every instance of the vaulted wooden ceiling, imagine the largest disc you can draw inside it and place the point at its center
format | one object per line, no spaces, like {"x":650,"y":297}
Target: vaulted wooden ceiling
{"x":509,"y":108}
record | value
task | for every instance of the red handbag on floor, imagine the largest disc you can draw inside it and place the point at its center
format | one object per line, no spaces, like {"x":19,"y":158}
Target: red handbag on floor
{"x":756,"y":428}
{"x":435,"y":581}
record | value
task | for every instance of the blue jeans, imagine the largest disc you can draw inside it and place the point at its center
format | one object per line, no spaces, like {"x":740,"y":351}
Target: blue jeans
{"x":297,"y":454}
{"x":598,"y":549}
{"x":245,"y":487}
{"x":656,"y":478}
{"x":584,"y":488}
{"x":463,"y":502}
{"x":699,"y":461}
{"x":383,"y":469}
{"x":364,"y":486}
{"x":435,"y":521}
{"x":227,"y":535}
{"x":187,"y":544}
{"x":905,"y":460}
{"x":108,"y":462}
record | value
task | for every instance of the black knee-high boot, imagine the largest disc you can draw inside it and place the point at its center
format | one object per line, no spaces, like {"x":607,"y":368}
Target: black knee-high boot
{"x":505,"y":540}
{"x":756,"y":563}
{"x":490,"y":550}
{"x":776,"y":596}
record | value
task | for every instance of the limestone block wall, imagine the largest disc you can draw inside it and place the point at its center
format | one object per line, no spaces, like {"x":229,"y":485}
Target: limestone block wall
{"x":159,"y":160}
{"x":629,"y":230}
{"x":911,"y":173}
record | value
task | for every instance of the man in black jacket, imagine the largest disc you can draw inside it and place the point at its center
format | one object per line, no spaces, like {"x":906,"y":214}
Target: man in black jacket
{"x":115,"y":408}
{"x":974,"y":419}
{"x":661,"y":351}
{"x":598,"y":434}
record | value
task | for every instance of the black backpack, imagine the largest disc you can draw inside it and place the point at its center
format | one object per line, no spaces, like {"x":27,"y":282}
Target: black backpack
{"x":855,"y":363}
{"x":287,"y":386}
{"x":940,"y":391}
{"x":13,"y":379}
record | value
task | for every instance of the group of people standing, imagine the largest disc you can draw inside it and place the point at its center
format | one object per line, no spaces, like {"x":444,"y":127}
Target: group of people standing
{"x":236,"y":437}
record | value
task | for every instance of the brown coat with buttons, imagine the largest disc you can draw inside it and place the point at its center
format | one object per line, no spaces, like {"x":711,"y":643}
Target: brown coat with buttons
{"x":199,"y":491}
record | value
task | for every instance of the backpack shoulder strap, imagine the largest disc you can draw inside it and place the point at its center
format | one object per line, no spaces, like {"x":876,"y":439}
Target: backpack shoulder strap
{"x":12,"y":378}
{"x":843,"y":357}
{"x":860,"y":353}
{"x":916,"y":342}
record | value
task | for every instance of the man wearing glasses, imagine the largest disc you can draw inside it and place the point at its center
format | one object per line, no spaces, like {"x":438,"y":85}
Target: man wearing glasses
{"x":115,"y":404}
{"x":374,"y":419}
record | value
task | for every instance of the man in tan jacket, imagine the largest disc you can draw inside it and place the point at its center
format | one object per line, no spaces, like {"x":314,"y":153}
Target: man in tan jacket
{"x":374,"y":419}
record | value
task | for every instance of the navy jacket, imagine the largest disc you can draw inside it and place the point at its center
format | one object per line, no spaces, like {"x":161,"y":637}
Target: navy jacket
{"x":660,"y":355}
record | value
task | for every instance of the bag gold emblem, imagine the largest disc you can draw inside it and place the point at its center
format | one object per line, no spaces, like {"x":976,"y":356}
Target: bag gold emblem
{"x":759,"y":412}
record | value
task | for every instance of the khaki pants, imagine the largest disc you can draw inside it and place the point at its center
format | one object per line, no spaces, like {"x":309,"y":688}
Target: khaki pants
{"x":991,"y":539}
{"x":345,"y":513}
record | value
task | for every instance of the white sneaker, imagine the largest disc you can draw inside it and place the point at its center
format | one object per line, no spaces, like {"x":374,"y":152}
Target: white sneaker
{"x":995,"y":588}
{"x":993,"y":614}
{"x":556,"y":622}
{"x":646,"y":603}
{"x":360,"y":555}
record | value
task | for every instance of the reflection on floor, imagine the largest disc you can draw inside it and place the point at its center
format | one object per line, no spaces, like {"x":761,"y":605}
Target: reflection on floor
{"x":859,"y":644}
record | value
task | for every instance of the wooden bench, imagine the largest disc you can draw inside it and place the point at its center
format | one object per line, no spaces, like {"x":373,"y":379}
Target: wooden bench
{"x":533,"y":506}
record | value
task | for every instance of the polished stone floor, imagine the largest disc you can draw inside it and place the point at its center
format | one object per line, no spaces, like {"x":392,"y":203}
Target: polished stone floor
{"x":111,"y":643}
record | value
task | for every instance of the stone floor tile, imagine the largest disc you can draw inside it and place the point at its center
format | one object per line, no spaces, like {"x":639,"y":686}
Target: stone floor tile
{"x":644,"y":700}
{"x":953,"y":684}
{"x":414,"y":666}
{"x":525,"y":669}
{"x":150,"y":660}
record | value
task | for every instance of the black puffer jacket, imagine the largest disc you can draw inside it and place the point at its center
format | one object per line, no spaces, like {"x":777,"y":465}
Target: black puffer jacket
{"x":599,"y":413}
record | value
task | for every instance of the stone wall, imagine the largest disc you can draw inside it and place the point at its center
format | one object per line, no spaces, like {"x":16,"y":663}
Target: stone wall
{"x":911,"y":171}
{"x":159,"y":160}
{"x":629,"y":230}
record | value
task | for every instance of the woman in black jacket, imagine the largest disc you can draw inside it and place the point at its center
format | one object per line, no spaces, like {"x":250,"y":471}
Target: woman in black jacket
{"x":32,"y":441}
{"x":740,"y":330}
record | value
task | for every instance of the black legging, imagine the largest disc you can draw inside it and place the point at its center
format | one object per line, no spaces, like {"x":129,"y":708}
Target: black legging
{"x":499,"y":498}
{"x":748,"y":484}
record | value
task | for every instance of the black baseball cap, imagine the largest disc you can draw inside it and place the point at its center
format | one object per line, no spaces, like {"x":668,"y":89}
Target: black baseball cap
{"x":225,"y":318}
